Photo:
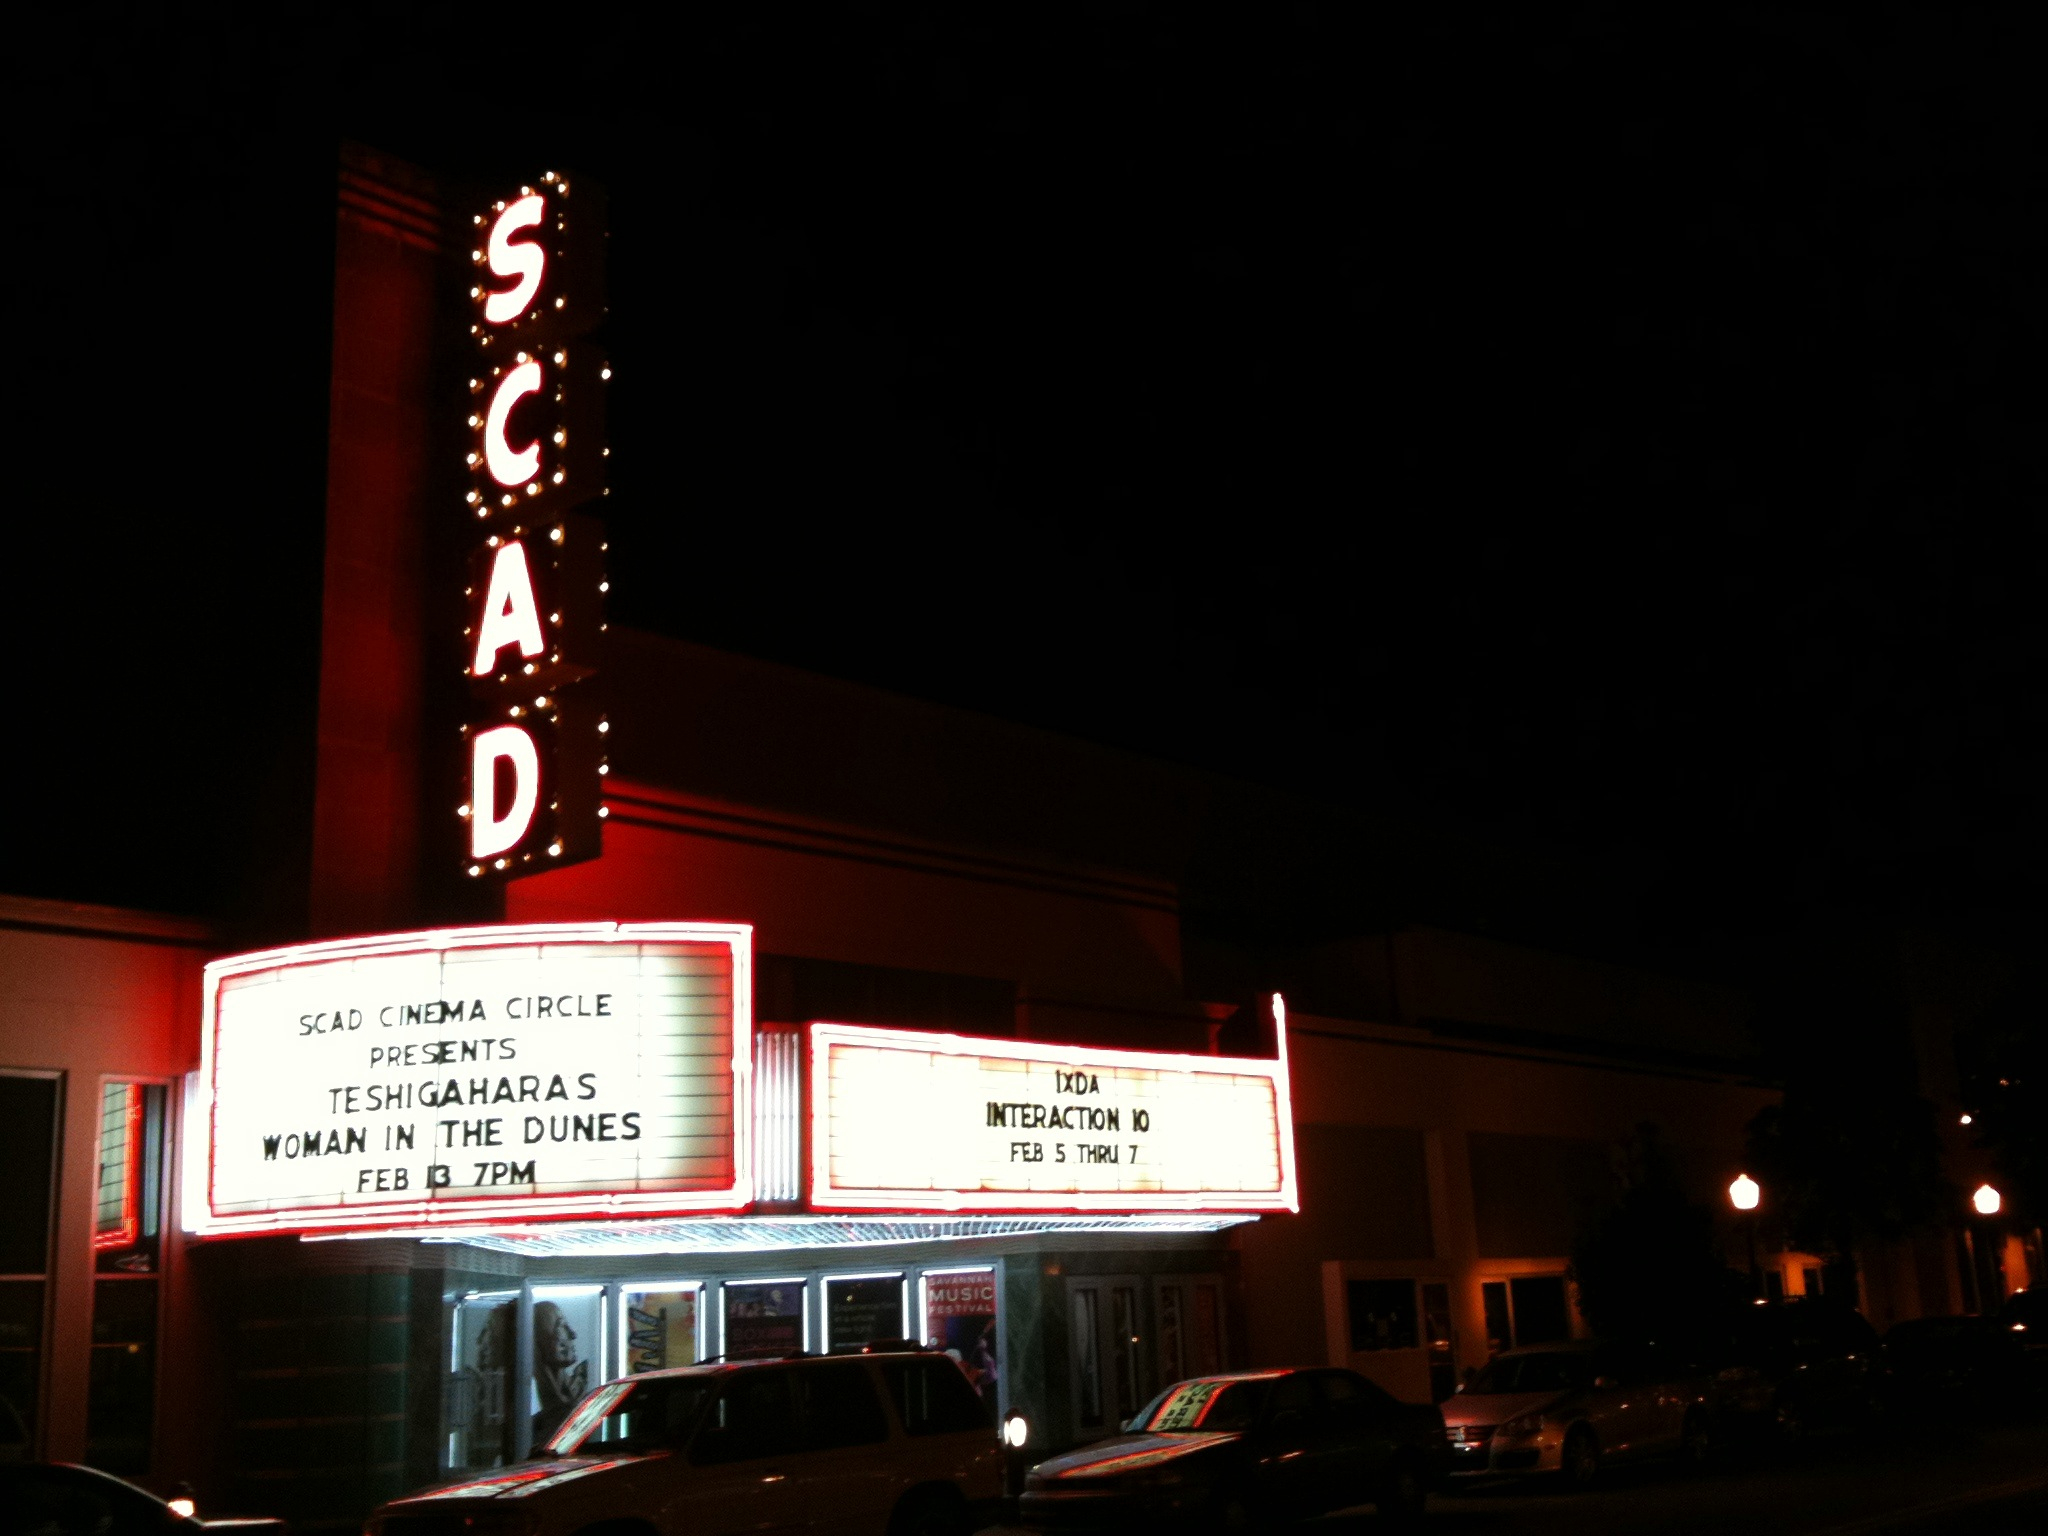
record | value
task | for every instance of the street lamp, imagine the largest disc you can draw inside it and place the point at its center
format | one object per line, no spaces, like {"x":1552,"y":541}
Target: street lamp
{"x":1987,"y":1200}
{"x":1744,"y":1193}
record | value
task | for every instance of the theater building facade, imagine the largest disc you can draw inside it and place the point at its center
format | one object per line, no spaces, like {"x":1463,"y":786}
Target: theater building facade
{"x":654,"y":1005}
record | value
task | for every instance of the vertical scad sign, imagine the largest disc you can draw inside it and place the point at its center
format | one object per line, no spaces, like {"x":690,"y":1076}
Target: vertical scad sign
{"x":534,"y":758}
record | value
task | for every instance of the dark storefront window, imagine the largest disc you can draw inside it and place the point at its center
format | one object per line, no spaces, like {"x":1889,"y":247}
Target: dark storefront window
{"x":127,"y":1242}
{"x":1529,"y":1309}
{"x":1382,"y":1314}
{"x":28,"y":1132}
{"x":863,"y":1309}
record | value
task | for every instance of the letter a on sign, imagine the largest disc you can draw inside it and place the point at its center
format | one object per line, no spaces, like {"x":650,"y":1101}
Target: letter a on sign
{"x":491,"y":832}
{"x":510,"y":615}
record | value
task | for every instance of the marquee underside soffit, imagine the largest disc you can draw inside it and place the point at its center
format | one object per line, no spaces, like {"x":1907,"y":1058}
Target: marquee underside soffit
{"x":773,"y":1234}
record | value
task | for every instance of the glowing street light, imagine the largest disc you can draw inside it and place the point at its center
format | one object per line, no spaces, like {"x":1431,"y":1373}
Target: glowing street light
{"x":1745,"y":1192}
{"x":1987,"y":1200}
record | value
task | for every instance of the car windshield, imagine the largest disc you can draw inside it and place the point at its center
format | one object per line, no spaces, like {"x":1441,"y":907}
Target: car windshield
{"x":1552,"y":1371}
{"x":629,"y":1416}
{"x":1207,"y":1407}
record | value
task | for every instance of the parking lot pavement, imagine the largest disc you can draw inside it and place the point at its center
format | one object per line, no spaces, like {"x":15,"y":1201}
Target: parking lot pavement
{"x":1907,"y":1478}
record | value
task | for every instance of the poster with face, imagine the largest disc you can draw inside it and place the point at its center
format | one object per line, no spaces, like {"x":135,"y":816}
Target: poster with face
{"x":568,"y":1334}
{"x":960,"y":1318}
{"x":661,"y":1329}
{"x":764,"y":1319}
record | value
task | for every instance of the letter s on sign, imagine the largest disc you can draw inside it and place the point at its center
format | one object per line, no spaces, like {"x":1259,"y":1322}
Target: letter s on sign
{"x":523,"y":259}
{"x":509,"y":465}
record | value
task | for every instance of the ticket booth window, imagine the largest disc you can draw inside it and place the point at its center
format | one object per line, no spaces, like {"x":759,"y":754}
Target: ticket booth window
{"x":127,"y":1245}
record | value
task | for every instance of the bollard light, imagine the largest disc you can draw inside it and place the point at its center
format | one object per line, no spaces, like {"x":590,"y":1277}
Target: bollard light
{"x":1987,"y":1200}
{"x":1744,"y":1193}
{"x":1016,"y":1431}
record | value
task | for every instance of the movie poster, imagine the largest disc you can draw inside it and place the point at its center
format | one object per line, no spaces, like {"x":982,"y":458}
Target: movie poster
{"x":960,"y":1318}
{"x":661,"y":1329}
{"x":568,"y":1341}
{"x":764,"y":1320}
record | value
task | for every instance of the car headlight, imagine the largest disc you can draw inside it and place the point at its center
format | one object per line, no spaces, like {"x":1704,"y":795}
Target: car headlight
{"x":1521,"y":1426}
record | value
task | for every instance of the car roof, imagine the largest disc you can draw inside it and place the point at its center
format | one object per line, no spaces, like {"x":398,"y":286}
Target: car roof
{"x":710,"y":1368}
{"x":1554,"y":1347}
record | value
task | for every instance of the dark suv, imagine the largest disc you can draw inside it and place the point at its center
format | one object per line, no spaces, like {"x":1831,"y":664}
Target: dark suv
{"x":839,"y":1446}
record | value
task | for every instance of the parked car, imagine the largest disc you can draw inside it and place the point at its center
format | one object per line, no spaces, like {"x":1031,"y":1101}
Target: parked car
{"x":1568,"y":1409}
{"x":55,"y":1498}
{"x":1247,"y":1449}
{"x":1950,"y":1362}
{"x":2025,"y":1317}
{"x":1786,"y":1368}
{"x":847,"y":1445}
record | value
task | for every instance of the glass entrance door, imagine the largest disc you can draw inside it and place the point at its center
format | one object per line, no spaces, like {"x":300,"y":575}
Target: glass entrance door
{"x":1106,"y":1344}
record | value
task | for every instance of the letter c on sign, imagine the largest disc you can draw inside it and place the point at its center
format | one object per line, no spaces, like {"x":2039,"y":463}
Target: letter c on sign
{"x":523,"y":259}
{"x":489,"y":831}
{"x":510,"y":466}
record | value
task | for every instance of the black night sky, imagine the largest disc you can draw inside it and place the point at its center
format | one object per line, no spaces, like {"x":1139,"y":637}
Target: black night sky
{"x":1610,"y":427}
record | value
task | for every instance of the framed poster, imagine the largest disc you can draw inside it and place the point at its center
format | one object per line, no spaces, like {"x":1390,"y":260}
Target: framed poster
{"x":763,"y":1318}
{"x":660,"y":1327}
{"x":960,"y":1317}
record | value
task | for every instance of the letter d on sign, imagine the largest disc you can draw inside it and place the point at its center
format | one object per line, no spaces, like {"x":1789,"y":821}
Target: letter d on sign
{"x":489,"y":831}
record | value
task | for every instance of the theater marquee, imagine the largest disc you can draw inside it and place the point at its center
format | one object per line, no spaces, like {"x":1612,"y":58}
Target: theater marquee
{"x":477,"y":1074}
{"x":905,"y":1121}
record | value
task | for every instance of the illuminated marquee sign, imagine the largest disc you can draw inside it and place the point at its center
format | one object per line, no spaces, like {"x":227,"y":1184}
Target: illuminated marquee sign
{"x":907,"y":1121}
{"x":474,"y":1074}
{"x":534,"y":759}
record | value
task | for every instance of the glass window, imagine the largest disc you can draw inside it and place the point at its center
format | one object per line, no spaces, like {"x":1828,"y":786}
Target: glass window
{"x":932,"y":1396}
{"x":1205,"y":1330}
{"x":661,"y":1328}
{"x":568,"y":1353}
{"x":1124,"y":1340}
{"x":127,"y":1253}
{"x":1210,"y":1405}
{"x":839,"y":1407}
{"x":862,"y":1310}
{"x":1540,"y":1313}
{"x":473,"y":1408}
{"x":1383,"y":1314}
{"x":1087,"y":1322}
{"x":637,"y":1415}
{"x":764,"y":1320}
{"x":754,"y":1417}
